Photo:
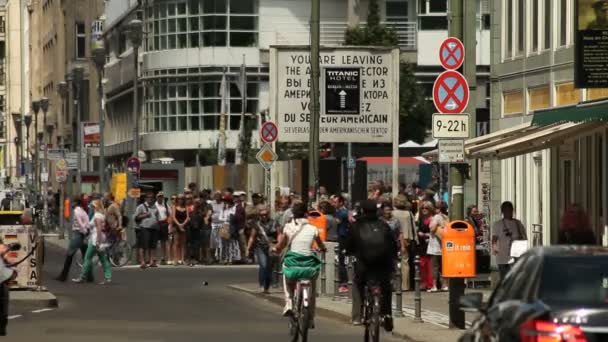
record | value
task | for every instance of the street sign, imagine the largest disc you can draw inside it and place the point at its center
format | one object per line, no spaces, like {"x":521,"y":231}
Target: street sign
{"x":451,"y":53}
{"x":135,"y":192}
{"x":91,"y":134}
{"x":451,"y":93}
{"x":61,"y":165}
{"x":269,"y":132}
{"x":61,"y":176}
{"x":44,"y":177}
{"x":133,"y":165}
{"x":451,"y":126}
{"x":55,"y":153}
{"x":451,"y":151}
{"x":266,"y":157}
{"x":342,"y":90}
{"x":359,"y":94}
{"x":72,"y":160}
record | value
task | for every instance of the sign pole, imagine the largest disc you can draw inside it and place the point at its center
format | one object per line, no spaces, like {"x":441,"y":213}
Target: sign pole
{"x":395,"y":115}
{"x":315,"y":104}
{"x":351,"y":169}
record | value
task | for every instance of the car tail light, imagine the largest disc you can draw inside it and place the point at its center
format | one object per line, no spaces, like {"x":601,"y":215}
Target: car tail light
{"x":543,"y":331}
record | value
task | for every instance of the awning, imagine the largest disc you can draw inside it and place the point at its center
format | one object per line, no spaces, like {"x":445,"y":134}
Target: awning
{"x":588,"y":111}
{"x":524,"y":139}
{"x":389,"y":160}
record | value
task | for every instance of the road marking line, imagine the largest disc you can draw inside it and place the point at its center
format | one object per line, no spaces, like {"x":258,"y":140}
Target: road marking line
{"x":41,"y":310}
{"x":14,"y":316}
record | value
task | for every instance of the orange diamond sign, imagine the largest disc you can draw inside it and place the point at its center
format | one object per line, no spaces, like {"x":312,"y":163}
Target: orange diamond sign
{"x":266,"y":156}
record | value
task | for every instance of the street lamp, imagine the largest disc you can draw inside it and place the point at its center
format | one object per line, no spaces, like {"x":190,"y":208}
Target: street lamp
{"x":99,"y":57}
{"x":64,"y":91}
{"x":77,"y":77}
{"x":17,"y":122}
{"x":27,"y":118}
{"x":135,"y":34}
{"x":44,"y":105}
{"x":36,"y":110}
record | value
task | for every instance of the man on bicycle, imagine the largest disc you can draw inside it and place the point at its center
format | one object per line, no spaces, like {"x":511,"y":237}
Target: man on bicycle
{"x":300,"y":261}
{"x":376,"y":251}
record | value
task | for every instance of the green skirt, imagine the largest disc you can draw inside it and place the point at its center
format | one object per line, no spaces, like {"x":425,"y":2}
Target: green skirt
{"x":297,"y":266}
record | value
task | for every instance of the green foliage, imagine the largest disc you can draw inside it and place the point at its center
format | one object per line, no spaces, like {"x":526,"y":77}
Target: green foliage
{"x":414,"y":110}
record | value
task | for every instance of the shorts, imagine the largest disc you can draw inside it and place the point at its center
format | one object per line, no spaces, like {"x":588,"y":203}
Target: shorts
{"x":147,"y":238}
{"x":163,"y":232}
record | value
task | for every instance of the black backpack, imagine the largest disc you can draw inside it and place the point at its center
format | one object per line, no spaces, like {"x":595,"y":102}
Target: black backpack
{"x":376,"y":242}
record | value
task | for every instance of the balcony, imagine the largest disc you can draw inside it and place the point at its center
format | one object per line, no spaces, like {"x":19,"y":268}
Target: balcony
{"x":332,"y":33}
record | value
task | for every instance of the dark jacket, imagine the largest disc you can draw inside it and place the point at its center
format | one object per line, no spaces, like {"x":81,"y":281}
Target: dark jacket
{"x":384,"y":252}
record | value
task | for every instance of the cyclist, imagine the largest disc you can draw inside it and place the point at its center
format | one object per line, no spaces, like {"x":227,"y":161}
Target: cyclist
{"x":300,"y":261}
{"x":375,"y":249}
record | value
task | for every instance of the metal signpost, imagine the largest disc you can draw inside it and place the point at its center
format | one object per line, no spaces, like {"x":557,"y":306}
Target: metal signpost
{"x":267,"y":156}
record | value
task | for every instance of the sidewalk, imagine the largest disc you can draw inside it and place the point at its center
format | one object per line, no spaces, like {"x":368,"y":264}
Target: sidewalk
{"x":434,"y":314}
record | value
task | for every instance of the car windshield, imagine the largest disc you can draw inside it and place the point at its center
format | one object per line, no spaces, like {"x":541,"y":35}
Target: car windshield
{"x":581,"y":280}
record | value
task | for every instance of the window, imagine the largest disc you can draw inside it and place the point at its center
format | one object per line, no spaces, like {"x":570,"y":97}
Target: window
{"x":513,"y":102}
{"x":579,"y":280}
{"x":564,"y":23}
{"x":81,"y":40}
{"x":547,"y":25}
{"x":195,"y":105}
{"x":566,"y":94}
{"x":521,"y":29}
{"x":538,"y":98}
{"x":509,"y":28}
{"x":192,"y":24}
{"x":396,"y":10}
{"x":433,"y":15}
{"x":597,"y":93}
{"x":534,"y":22}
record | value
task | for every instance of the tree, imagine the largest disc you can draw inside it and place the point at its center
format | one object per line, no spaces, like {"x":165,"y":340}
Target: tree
{"x":414,"y":109}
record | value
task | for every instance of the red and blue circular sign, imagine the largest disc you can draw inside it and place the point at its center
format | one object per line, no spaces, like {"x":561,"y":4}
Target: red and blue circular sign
{"x":133,"y":165}
{"x":451,"y":93}
{"x":451,"y":53}
{"x":269,"y":132}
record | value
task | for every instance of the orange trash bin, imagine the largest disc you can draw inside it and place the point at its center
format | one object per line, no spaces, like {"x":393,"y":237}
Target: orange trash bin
{"x":458,"y":250}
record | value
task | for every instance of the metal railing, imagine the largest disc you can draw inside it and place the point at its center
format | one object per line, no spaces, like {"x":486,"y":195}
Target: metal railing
{"x":332,"y":33}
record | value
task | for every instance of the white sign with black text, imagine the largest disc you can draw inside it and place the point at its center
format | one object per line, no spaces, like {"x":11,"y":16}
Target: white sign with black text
{"x":451,"y":151}
{"x":451,"y":126}
{"x":359,"y":93}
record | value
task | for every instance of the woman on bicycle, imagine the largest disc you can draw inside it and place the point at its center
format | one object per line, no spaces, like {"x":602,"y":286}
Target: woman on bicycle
{"x":300,"y":261}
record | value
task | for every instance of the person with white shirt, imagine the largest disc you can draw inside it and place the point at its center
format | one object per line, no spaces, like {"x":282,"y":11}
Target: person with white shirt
{"x":98,"y":244}
{"x":163,"y":223}
{"x":80,"y":230}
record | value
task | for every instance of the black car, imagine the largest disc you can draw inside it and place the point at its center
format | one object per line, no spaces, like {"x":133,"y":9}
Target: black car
{"x":552,"y":294}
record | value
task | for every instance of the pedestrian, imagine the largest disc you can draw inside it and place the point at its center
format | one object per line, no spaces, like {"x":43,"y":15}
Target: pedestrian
{"x":437,"y":225}
{"x":239,"y":221}
{"x":331,"y":224}
{"x":229,"y":250}
{"x":80,"y":231}
{"x":575,"y":228}
{"x":7,"y":275}
{"x":206,"y":234}
{"x":473,"y":219}
{"x":403,"y":213}
{"x":172,"y":228}
{"x":258,"y":246}
{"x":393,"y":223}
{"x":216,"y":206}
{"x":146,"y":218}
{"x":98,"y":245}
{"x":504,"y":232}
{"x":163,"y":226}
{"x":257,"y":199}
{"x":197,"y":221}
{"x":181,"y":219}
{"x":424,"y":234}
{"x":283,"y":204}
{"x":342,"y":222}
{"x":273,"y":231}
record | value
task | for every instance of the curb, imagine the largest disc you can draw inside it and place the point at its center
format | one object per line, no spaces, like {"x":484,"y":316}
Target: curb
{"x":326,"y":313}
{"x":22,"y":301}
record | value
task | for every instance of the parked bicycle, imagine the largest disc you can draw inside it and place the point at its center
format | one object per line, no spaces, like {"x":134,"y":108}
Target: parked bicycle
{"x":300,"y":319}
{"x":371,"y":312}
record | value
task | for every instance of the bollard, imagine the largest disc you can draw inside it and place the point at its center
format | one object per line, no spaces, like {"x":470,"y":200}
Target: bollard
{"x":336,"y":267}
{"x":40,"y":262}
{"x":417,"y":295}
{"x":323,"y":274}
{"x":398,"y":292}
{"x":351,"y":274}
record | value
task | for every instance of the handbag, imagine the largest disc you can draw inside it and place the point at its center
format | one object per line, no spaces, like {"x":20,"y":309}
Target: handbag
{"x":224,"y":231}
{"x":518,"y":246}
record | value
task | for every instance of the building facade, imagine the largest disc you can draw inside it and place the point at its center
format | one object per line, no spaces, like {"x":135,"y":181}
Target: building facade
{"x":189,"y":44}
{"x":61,"y":41}
{"x":549,"y":151}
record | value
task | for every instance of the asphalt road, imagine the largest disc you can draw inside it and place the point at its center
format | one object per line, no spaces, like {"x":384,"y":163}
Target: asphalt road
{"x":165,"y":304}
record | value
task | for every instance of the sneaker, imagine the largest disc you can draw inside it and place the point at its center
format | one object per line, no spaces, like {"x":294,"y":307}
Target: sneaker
{"x":106,"y":282}
{"x":434,"y":289}
{"x":445,"y":289}
{"x":143,"y":266}
{"x":343,"y":289}
{"x":312,"y":324}
{"x":153,"y":264}
{"x":169,"y":263}
{"x":288,"y":309}
{"x":357,"y":323}
{"x":78,"y":280}
{"x":388,"y":323}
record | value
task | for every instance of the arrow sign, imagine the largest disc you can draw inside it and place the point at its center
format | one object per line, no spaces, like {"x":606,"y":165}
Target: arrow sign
{"x":342,"y":99}
{"x":451,"y":93}
{"x":451,"y":53}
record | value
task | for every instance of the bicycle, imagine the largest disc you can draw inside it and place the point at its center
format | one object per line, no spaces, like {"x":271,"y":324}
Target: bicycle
{"x":119,"y":252}
{"x":299,"y":320}
{"x":371,"y":312}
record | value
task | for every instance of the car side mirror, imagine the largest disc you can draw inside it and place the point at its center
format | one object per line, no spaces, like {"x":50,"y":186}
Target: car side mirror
{"x":472,"y":302}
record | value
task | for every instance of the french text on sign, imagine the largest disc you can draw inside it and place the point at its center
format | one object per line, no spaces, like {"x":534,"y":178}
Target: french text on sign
{"x":451,"y":93}
{"x":451,"y":53}
{"x":451,"y":126}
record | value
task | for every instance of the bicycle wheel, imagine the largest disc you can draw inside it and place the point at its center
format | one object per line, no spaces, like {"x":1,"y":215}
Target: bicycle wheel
{"x":304,"y":323}
{"x":294,"y":324}
{"x":120,"y":253}
{"x":367,"y":314}
{"x":374,"y":325}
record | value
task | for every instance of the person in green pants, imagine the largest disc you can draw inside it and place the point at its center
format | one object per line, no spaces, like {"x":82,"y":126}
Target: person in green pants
{"x":98,"y":244}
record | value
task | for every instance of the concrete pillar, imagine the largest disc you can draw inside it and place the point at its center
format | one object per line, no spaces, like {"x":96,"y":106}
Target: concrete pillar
{"x":353,"y":13}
